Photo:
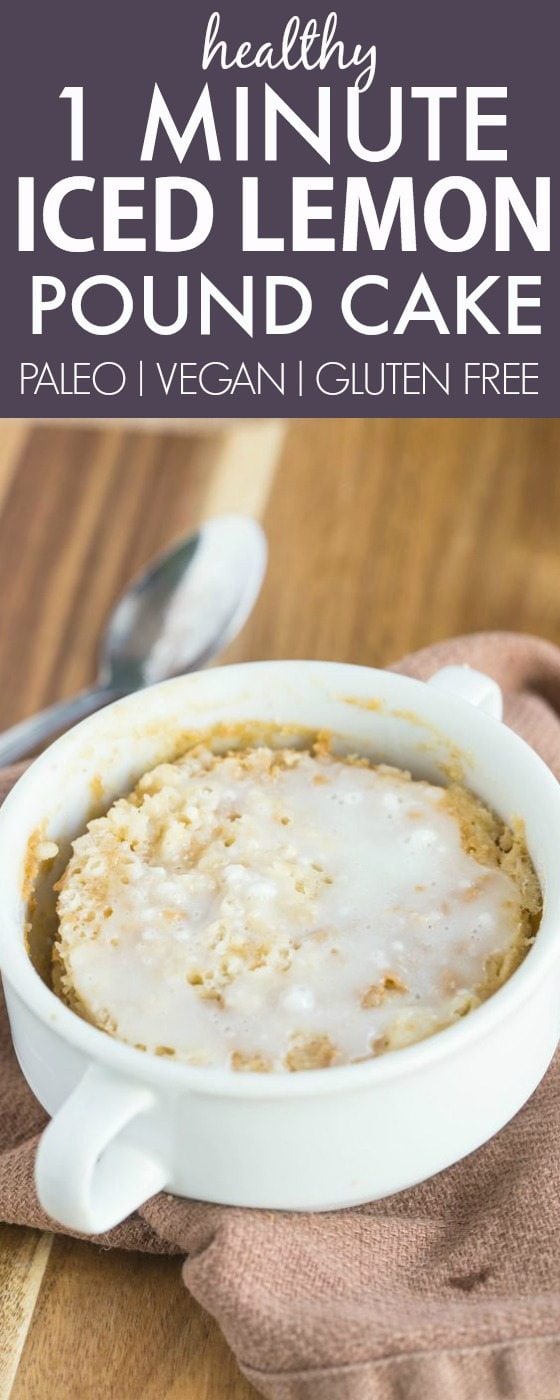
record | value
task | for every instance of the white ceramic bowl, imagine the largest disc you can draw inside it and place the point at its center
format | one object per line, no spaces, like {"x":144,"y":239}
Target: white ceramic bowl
{"x":126,"y":1123}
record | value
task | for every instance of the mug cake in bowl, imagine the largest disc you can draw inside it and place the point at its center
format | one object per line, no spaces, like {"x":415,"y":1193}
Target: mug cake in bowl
{"x":281,"y":935}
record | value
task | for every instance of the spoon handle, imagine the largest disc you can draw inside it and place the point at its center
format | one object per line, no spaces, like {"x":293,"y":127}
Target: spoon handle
{"x":25,"y":737}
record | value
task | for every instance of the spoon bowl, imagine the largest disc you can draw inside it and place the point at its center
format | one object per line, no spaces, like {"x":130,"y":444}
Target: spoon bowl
{"x":173,"y":618}
{"x":187,"y":605}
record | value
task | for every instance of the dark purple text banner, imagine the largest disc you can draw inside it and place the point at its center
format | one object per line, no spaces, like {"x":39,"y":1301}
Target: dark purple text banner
{"x":268,"y":210}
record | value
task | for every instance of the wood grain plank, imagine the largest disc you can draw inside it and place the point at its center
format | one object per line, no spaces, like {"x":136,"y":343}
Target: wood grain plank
{"x":386,"y":535}
{"x":24,"y":1256}
{"x":13,"y":436}
{"x":143,"y":1336}
{"x":245,"y":467}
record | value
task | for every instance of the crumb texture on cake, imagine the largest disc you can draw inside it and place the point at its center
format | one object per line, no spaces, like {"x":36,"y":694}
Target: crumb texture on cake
{"x":289,"y":909}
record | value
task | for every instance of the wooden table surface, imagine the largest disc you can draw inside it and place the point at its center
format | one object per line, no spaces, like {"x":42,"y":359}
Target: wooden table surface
{"x":384,"y":536}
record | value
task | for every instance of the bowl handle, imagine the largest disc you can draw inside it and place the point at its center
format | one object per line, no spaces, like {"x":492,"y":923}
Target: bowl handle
{"x":87,"y":1176}
{"x":467,"y":684}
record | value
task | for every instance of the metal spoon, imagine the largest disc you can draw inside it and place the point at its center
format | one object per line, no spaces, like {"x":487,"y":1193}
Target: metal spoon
{"x":187,"y":605}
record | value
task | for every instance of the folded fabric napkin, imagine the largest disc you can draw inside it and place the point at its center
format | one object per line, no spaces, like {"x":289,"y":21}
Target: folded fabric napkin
{"x":448,"y":1291}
